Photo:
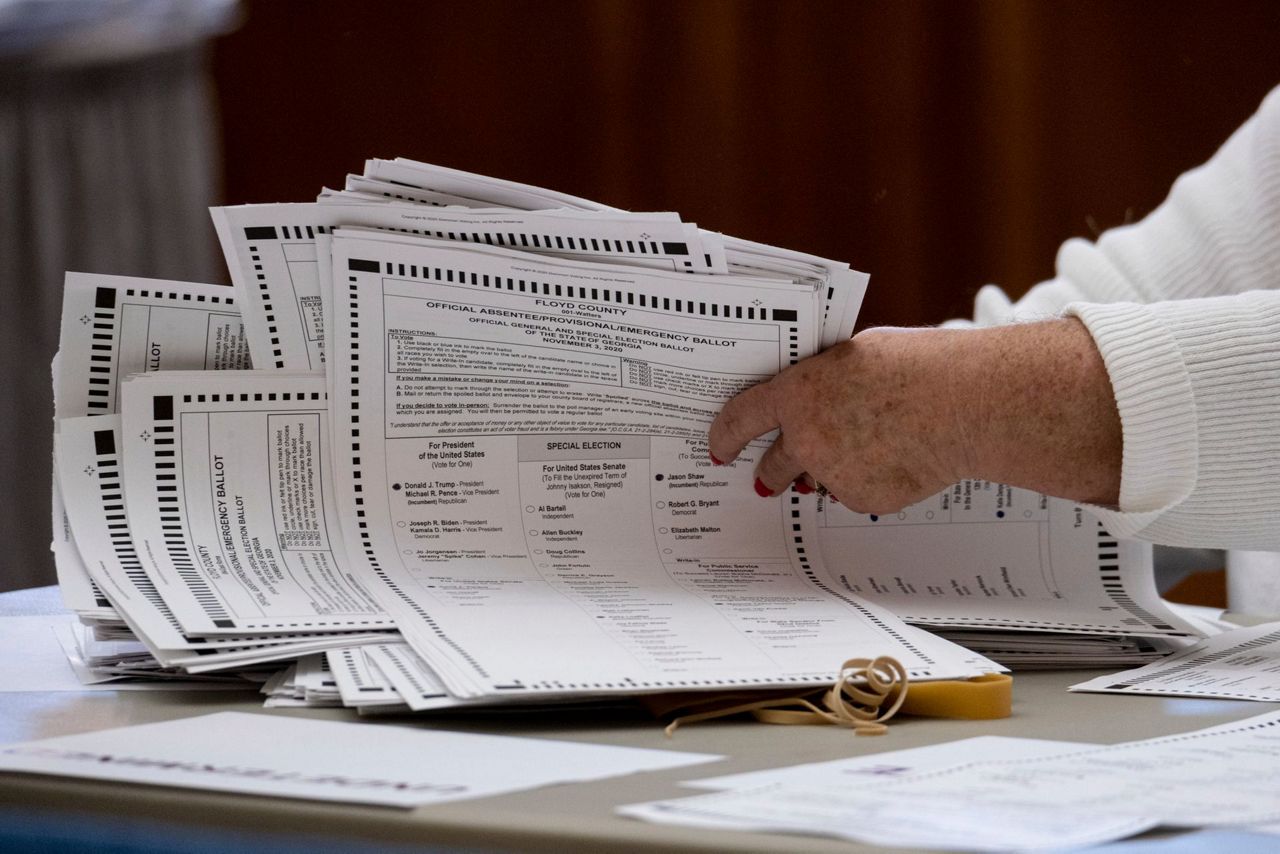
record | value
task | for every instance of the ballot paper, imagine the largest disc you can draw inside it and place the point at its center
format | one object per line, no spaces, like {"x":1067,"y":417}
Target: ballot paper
{"x":113,"y":326}
{"x":128,"y":666}
{"x":307,"y":683}
{"x":495,"y":191}
{"x":875,"y":768}
{"x":385,"y":765}
{"x":230,"y":503}
{"x":410,"y":677}
{"x":877,"y":817}
{"x":1220,"y":776}
{"x":88,"y":451}
{"x":527,"y":404}
{"x":361,"y":684}
{"x":841,"y":288}
{"x":1050,"y":650}
{"x":271,"y":253}
{"x":979,"y":555}
{"x":89,"y":454}
{"x":1242,"y":664}
{"x":528,"y":448}
{"x":365,"y":190}
{"x":986,"y":555}
{"x":43,"y":657}
{"x":473,"y":469}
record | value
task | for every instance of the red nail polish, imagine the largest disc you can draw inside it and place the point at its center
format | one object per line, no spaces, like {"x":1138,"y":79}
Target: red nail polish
{"x":714,"y":460}
{"x":803,"y":487}
{"x":762,"y":490}
{"x":834,"y":499}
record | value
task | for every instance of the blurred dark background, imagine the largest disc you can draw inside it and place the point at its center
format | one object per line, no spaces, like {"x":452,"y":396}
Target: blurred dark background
{"x":938,"y":146}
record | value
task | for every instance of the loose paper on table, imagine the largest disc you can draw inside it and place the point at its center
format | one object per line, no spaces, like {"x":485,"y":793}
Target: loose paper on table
{"x":1219,"y":776}
{"x":388,"y":765}
{"x":1242,"y":664}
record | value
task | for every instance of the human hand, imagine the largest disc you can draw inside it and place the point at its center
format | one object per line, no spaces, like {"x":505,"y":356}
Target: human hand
{"x":893,"y":416}
{"x":871,"y":419}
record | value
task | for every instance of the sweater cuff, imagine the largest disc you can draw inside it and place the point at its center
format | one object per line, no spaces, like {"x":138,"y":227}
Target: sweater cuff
{"x":1157,"y":408}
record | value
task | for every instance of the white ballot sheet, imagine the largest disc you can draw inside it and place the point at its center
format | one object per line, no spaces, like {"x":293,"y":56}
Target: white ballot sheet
{"x":1242,"y":664}
{"x":125,"y":672}
{"x":874,"y":768}
{"x":39,"y":660}
{"x":1222,"y":775}
{"x":978,"y":555}
{"x":1041,"y":650}
{"x":315,"y":679}
{"x":228,"y":490}
{"x":89,"y":457}
{"x":496,"y":191}
{"x":987,"y":555}
{"x":413,"y":681}
{"x":841,"y":288}
{"x":271,"y":252}
{"x":528,"y":463}
{"x":878,"y":817}
{"x":329,"y":761}
{"x":360,"y":189}
{"x":1219,"y":776}
{"x":117,"y":326}
{"x":360,"y":682}
{"x":113,"y":326}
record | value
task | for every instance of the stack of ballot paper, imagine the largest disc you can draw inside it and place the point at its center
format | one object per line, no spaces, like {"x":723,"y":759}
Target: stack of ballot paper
{"x":1007,"y":794}
{"x":469,"y":466}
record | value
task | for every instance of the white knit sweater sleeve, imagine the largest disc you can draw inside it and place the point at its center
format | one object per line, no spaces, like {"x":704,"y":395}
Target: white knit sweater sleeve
{"x":1185,"y":309}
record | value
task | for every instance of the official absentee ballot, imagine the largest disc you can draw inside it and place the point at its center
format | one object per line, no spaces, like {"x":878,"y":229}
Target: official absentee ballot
{"x":470,"y":466}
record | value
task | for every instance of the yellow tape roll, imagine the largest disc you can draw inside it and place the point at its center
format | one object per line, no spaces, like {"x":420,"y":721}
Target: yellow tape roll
{"x":980,"y":698}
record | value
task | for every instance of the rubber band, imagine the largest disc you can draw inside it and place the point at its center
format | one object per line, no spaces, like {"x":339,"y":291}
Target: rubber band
{"x":866,"y":694}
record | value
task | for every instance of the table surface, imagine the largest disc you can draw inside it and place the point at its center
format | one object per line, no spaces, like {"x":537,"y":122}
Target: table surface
{"x":560,"y":818}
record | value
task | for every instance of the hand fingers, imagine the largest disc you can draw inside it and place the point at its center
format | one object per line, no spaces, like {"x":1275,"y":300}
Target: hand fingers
{"x":746,"y":416}
{"x":776,"y":469}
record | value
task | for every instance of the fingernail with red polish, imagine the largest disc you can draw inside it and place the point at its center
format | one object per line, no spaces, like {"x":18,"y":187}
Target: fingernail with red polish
{"x":714,"y":460}
{"x":762,"y":490}
{"x":803,"y":487}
